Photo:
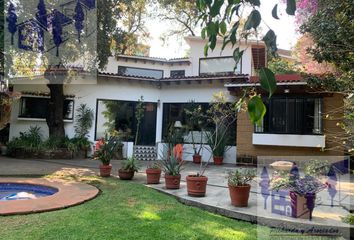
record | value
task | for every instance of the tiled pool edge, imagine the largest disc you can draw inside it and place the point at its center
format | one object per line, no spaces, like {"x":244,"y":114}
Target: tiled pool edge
{"x":69,"y":194}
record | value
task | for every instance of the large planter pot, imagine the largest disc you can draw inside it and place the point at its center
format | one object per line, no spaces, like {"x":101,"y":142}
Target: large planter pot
{"x":239,"y":195}
{"x":125,"y":174}
{"x":172,"y":182}
{"x":218,"y":160}
{"x":153,"y":176}
{"x":197,"y":158}
{"x":105,"y":170}
{"x":302,"y":206}
{"x":196,"y":186}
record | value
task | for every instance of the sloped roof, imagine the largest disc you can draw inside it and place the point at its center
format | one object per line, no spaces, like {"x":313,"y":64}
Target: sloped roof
{"x":282,"y":79}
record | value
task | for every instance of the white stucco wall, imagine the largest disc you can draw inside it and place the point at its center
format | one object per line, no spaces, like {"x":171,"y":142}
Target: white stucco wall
{"x":196,"y":45}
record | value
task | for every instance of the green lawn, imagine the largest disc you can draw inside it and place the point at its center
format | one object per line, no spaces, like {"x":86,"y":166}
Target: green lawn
{"x":126,"y":210}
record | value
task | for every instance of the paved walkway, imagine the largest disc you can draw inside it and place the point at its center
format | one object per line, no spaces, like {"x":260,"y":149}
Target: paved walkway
{"x":217,"y":199}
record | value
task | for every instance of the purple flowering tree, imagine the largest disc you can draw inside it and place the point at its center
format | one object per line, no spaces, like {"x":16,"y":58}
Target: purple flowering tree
{"x":12,"y":21}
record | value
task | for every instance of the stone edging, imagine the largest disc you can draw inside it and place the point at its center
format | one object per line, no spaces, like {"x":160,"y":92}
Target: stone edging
{"x":69,"y":194}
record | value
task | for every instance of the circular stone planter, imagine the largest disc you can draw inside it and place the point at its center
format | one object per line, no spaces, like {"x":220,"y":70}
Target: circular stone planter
{"x":69,"y":194}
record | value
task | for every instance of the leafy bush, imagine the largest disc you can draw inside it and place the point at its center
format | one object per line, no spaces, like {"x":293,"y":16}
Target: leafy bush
{"x":30,"y":140}
{"x":131,"y":164}
{"x":349,"y":219}
{"x":241,"y":177}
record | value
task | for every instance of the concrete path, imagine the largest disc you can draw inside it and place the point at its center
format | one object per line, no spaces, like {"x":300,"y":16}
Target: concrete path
{"x":217,"y":199}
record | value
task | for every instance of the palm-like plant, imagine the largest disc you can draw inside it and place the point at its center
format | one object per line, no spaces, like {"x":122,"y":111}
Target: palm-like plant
{"x":84,"y":119}
{"x":171,"y":166}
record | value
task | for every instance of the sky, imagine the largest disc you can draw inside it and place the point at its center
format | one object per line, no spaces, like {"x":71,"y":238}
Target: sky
{"x":284,"y":28}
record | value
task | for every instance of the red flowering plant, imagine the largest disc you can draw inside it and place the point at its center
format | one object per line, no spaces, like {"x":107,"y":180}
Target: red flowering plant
{"x":105,"y":148}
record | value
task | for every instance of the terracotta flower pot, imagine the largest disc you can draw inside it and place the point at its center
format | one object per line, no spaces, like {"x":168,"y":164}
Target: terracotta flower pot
{"x":196,"y":186}
{"x":218,"y":160}
{"x":153,"y":176}
{"x":239,"y":195}
{"x":105,"y":170}
{"x":125,"y":174}
{"x":172,"y":182}
{"x":197,"y":158}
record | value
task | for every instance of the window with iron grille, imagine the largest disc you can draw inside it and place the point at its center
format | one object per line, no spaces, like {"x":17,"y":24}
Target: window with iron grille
{"x":292,"y":115}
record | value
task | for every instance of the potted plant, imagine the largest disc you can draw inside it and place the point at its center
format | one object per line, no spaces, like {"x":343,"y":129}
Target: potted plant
{"x":195,"y":121}
{"x":239,"y":187}
{"x":130,"y":166}
{"x":217,"y":141}
{"x":172,"y":169}
{"x":104,"y":151}
{"x":153,"y":174}
{"x":83,"y":123}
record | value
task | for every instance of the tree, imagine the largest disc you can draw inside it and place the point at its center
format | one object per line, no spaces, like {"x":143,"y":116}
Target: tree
{"x":183,"y":14}
{"x":131,"y":16}
{"x":331,"y":29}
{"x":306,"y":62}
{"x":106,"y":27}
{"x":54,"y":62}
{"x":281,"y":66}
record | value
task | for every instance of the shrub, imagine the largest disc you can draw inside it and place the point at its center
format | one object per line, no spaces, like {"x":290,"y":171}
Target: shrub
{"x":241,"y":177}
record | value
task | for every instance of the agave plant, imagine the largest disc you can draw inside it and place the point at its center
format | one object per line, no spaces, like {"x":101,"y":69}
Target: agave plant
{"x":131,"y":164}
{"x":171,"y":166}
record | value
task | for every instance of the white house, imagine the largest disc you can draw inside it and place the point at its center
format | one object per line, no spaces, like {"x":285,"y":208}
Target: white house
{"x":167,"y":84}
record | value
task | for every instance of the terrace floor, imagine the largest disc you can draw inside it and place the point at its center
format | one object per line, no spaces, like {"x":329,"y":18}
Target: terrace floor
{"x":325,"y":217}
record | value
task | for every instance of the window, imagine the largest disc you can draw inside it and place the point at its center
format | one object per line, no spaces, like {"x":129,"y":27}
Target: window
{"x":292,"y":115}
{"x":173,"y":112}
{"x":121,"y":116}
{"x":140,"y":72}
{"x":177,"y":73}
{"x":36,"y":107}
{"x":219,"y":65}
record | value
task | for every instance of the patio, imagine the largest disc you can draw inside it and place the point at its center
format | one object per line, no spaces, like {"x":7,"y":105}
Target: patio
{"x":217,"y":198}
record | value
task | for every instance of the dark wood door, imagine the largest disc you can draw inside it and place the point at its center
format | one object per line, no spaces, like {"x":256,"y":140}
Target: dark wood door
{"x":148,"y":126}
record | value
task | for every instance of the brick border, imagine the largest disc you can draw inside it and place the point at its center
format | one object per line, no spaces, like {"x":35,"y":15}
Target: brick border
{"x":69,"y":194}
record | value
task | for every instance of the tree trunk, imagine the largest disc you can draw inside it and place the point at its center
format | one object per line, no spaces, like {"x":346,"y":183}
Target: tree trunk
{"x":56,"y":76}
{"x":55,"y":119}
